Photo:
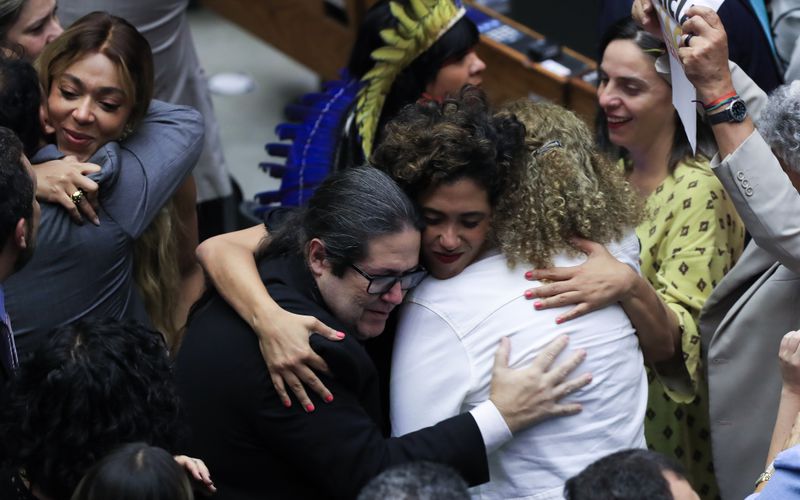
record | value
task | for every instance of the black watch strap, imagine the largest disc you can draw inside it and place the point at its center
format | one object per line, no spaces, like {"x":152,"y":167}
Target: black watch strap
{"x":736,"y":112}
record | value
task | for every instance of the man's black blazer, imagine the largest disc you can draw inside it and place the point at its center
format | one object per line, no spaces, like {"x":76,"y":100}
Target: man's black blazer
{"x":256,"y":448}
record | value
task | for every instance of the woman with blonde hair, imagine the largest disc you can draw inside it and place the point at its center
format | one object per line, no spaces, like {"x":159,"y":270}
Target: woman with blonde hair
{"x":98,"y":81}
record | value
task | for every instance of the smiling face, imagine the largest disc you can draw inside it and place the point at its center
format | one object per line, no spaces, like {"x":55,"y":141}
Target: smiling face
{"x":637,"y":102}
{"x":457,"y":221}
{"x":36,"y":26}
{"x":347,"y":296}
{"x":87,"y":106}
{"x":454,"y":75}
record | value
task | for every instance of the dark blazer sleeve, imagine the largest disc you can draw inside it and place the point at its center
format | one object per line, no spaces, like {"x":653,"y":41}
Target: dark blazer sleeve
{"x":340,"y":445}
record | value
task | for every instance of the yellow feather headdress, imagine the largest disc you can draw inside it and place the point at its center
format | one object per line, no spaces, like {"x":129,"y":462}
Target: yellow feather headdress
{"x":418,"y":28}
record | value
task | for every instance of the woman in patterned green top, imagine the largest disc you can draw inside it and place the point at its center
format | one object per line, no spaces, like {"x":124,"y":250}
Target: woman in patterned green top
{"x":691,"y":239}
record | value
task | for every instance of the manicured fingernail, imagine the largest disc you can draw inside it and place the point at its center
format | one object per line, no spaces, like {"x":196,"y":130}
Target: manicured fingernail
{"x":309,"y":407}
{"x":287,"y":403}
{"x":559,"y":321}
{"x":340,"y":335}
{"x":537,"y":305}
{"x":328,"y":398}
{"x":528,"y":294}
{"x":528,"y":274}
{"x":96,"y":221}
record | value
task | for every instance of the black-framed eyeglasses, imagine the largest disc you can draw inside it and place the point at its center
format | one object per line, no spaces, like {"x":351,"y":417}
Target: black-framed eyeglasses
{"x":383,"y":283}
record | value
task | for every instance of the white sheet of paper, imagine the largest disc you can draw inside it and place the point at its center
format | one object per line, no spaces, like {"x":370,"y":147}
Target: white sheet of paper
{"x":683,"y":92}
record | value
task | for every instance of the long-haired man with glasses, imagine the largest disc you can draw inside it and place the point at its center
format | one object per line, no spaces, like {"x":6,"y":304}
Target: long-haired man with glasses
{"x":348,"y":259}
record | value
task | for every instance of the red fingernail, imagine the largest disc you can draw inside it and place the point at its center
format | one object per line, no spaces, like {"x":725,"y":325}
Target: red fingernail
{"x":340,"y":335}
{"x":287,"y":403}
{"x":528,"y":294}
{"x":559,"y":321}
{"x":328,"y":398}
{"x":528,"y":274}
{"x":309,"y":407}
{"x":537,"y":305}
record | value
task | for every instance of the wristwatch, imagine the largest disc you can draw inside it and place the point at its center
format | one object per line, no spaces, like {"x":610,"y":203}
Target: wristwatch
{"x":736,"y":112}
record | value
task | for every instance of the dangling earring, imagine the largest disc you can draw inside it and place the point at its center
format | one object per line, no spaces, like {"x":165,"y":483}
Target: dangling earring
{"x":128,"y":130}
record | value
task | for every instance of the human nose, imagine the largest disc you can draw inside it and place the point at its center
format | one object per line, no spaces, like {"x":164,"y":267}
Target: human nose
{"x":476,"y":64}
{"x":83,"y":111}
{"x":54,"y":30}
{"x":607,"y":95}
{"x":394,"y":295}
{"x":449,"y":239}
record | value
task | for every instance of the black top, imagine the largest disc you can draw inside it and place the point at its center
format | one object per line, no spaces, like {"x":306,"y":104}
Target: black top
{"x":256,"y":448}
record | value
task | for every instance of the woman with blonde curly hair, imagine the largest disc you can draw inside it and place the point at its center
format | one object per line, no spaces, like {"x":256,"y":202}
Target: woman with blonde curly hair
{"x":490,"y":215}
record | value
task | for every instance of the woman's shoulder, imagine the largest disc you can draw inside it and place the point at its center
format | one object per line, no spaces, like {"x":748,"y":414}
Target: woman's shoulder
{"x":695,"y":176}
{"x":694,"y":170}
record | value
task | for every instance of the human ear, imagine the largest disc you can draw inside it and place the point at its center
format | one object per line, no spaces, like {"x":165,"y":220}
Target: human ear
{"x":316,"y":257}
{"x":20,"y":234}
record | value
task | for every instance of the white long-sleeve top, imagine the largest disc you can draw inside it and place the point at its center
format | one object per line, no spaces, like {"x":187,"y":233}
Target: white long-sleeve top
{"x":444,"y":351}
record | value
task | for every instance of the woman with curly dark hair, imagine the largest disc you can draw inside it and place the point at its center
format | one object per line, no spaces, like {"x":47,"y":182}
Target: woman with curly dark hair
{"x":88,"y":388}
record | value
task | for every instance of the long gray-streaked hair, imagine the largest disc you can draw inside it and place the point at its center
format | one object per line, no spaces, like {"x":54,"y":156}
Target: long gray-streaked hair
{"x":349,"y":210}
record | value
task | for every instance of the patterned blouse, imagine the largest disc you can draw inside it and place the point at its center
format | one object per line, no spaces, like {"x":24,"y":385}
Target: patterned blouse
{"x":691,"y":240}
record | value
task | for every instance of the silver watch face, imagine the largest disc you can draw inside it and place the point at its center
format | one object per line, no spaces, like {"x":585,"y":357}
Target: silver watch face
{"x":738,"y":111}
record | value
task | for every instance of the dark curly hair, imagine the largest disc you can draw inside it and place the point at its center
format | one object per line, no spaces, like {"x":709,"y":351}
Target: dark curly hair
{"x":430,"y":144}
{"x":90,"y":387}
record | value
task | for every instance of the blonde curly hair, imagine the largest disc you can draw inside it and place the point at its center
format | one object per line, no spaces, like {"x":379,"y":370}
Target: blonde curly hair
{"x":562,"y":191}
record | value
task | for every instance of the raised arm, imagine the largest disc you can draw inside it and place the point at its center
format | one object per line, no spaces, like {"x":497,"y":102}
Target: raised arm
{"x":763,"y":194}
{"x":229,"y":262}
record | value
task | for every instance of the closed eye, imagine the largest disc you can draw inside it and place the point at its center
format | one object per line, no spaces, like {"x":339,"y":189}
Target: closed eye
{"x":67,"y":93}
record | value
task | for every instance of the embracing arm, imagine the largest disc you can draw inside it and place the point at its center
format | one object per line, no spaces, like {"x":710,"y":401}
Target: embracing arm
{"x":151,"y":164}
{"x":341,"y":447}
{"x":604,"y":280}
{"x":58,"y":180}
{"x":229,"y":261}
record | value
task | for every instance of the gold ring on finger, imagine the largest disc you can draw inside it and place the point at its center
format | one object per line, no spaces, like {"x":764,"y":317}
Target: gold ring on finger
{"x":77,"y":196}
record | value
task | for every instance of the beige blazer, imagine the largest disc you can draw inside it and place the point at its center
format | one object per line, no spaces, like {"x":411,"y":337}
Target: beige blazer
{"x":748,"y":313}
